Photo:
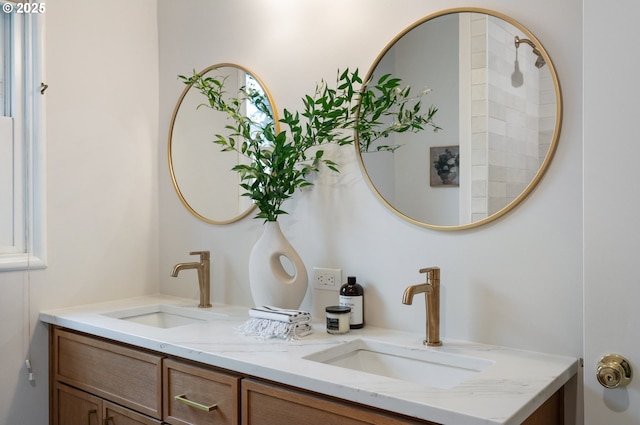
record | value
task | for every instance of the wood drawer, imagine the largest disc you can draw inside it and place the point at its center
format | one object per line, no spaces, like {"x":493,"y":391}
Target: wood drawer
{"x":268,"y":404}
{"x":114,"y":414}
{"x":79,"y":407}
{"x":203,"y":386}
{"x":124,"y":375}
{"x":75,"y":407}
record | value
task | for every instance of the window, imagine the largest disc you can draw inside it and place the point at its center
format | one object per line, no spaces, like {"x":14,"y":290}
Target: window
{"x":21,"y":140}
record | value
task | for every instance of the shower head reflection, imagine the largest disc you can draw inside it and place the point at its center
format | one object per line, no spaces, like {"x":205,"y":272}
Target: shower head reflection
{"x":517,"y":79}
{"x":540,"y":62}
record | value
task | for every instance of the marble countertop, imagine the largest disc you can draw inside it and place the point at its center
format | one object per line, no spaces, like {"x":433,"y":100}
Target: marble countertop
{"x":506,"y":392}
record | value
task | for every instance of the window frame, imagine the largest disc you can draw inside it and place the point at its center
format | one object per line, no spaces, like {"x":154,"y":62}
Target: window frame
{"x":26,"y":107}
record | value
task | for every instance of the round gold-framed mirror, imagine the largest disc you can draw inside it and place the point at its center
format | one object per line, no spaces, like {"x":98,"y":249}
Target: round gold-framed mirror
{"x":200,"y":171}
{"x":499,"y":108}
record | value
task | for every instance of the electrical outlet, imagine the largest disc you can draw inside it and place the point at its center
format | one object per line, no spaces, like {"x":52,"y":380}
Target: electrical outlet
{"x":327,"y":279}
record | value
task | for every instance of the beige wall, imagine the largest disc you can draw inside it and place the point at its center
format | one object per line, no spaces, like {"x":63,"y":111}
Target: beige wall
{"x":102,"y":144}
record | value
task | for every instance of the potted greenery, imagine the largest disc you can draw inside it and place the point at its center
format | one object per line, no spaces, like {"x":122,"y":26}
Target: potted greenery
{"x":279,"y":163}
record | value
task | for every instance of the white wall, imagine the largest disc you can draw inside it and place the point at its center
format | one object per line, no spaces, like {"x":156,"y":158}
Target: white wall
{"x":102,"y":146}
{"x":515,"y":282}
{"x":612,"y":233}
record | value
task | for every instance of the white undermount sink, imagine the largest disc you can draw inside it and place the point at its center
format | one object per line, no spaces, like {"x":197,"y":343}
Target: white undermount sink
{"x":165,"y":316}
{"x":421,"y":365}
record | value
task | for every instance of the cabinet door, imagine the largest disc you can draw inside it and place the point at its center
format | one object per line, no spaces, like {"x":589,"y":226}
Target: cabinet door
{"x":550,"y":413}
{"x":118,"y":415}
{"x":119,"y":373}
{"x":195,"y":395}
{"x":268,"y":404}
{"x":75,"y":407}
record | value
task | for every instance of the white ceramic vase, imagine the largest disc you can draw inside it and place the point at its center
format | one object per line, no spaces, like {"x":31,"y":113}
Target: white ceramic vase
{"x":270,"y":283}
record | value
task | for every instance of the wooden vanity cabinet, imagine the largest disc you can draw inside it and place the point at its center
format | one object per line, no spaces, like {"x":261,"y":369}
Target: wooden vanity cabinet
{"x":100,"y":382}
{"x":271,"y":404}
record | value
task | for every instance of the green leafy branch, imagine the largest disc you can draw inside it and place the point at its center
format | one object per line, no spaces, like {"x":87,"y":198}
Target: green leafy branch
{"x":279,"y":163}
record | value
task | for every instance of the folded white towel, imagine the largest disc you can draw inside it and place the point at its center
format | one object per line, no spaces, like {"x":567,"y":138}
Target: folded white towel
{"x":280,"y":314}
{"x":265,"y":328}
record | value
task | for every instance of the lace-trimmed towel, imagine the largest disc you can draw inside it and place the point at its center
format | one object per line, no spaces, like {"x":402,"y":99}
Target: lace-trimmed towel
{"x":272,"y":322}
{"x":266,"y":328}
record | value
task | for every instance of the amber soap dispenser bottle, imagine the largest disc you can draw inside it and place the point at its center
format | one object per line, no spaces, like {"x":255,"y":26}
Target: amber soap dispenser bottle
{"x":352,"y":295}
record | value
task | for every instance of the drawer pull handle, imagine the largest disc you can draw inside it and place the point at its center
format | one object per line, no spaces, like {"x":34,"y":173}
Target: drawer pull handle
{"x":90,"y":413}
{"x":182,"y":398}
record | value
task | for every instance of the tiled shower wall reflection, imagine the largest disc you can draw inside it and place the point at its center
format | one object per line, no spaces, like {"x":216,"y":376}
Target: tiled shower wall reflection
{"x":509,"y":122}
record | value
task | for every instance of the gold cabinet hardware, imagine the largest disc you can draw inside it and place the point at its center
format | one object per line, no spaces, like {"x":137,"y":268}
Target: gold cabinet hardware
{"x":91,"y":412}
{"x":182,"y":398}
{"x":613,"y":371}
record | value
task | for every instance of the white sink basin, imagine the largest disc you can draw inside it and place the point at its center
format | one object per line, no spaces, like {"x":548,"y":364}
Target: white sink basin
{"x":165,"y":316}
{"x":420,"y":365}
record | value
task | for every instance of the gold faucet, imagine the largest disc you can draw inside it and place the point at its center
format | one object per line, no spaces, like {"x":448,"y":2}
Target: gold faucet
{"x":432,"y":291}
{"x":204,"y":283}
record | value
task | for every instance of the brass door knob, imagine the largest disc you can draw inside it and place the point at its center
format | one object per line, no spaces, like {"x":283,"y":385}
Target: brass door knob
{"x":613,"y":371}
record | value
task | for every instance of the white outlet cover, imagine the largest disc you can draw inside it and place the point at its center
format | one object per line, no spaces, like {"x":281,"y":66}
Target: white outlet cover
{"x":327,"y":279}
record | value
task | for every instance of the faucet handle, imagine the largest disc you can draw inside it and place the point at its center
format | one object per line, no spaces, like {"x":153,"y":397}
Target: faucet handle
{"x":429,"y":269}
{"x":204,"y":255}
{"x":433,"y":273}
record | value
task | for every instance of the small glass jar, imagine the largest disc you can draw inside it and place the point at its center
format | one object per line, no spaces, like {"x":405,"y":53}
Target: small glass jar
{"x":338,"y":319}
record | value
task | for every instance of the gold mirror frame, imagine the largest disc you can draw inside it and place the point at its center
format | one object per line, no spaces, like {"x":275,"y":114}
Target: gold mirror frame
{"x":554,"y":139}
{"x":201,"y":215}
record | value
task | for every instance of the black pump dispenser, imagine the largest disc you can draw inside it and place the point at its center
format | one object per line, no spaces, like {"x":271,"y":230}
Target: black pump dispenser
{"x":352,"y":295}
